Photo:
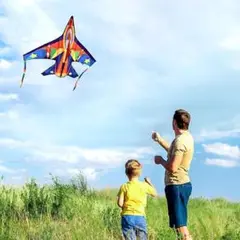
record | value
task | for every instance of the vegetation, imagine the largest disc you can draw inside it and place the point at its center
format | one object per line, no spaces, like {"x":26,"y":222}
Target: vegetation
{"x":73,"y":211}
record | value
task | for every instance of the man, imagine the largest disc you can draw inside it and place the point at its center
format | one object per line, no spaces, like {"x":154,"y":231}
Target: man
{"x":178,"y":186}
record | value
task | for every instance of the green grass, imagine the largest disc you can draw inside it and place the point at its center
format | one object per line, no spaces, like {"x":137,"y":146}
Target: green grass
{"x":73,"y":211}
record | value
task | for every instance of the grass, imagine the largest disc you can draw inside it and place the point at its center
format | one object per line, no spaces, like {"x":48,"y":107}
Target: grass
{"x":73,"y":211}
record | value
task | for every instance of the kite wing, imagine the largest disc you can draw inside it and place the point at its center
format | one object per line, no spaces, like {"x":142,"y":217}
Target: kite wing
{"x":49,"y":50}
{"x":80,"y":54}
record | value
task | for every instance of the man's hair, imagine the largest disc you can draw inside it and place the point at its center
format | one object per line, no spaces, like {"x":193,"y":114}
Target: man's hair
{"x":133,"y":168}
{"x":182,"y":119}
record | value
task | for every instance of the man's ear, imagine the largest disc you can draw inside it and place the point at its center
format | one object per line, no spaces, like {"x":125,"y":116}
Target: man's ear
{"x":174,"y":124}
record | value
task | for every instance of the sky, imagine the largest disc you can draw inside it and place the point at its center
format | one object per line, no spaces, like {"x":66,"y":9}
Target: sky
{"x":152,"y":57}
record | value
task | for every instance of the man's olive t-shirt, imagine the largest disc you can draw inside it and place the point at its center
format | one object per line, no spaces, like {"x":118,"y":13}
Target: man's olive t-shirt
{"x":182,"y":145}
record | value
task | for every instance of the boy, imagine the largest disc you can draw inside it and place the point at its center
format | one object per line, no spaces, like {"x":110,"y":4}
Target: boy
{"x":132,"y":198}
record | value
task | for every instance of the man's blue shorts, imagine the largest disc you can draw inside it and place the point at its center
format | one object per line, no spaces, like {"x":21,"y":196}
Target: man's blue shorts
{"x":134,"y":226}
{"x":177,"y":200}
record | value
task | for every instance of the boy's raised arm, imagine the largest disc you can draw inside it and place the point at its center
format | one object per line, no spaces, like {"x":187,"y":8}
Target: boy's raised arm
{"x":150,"y":189}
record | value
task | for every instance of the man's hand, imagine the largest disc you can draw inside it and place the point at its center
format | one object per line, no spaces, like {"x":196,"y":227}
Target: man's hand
{"x":158,"y":160}
{"x":156,"y":137}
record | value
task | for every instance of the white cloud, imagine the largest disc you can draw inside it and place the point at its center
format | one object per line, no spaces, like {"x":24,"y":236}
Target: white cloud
{"x":5,"y":169}
{"x":64,"y":160}
{"x":13,"y":144}
{"x":217,"y":134}
{"x":16,"y":177}
{"x":222,"y":162}
{"x":8,"y":97}
{"x":231,"y":42}
{"x":26,"y":37}
{"x":227,"y":128}
{"x":4,"y":64}
{"x":5,"y":50}
{"x":226,"y":150}
{"x":11,"y":114}
{"x":88,"y":173}
{"x":73,"y":154}
{"x":223,"y":150}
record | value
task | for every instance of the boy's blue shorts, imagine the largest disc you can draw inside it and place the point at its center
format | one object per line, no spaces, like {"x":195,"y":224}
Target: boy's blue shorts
{"x":177,"y":200}
{"x":134,"y":226}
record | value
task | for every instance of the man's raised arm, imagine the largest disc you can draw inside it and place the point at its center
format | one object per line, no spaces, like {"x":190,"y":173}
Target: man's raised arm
{"x":157,"y":138}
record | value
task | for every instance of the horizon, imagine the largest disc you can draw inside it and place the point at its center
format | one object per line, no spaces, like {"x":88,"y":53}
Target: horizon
{"x":154,"y":59}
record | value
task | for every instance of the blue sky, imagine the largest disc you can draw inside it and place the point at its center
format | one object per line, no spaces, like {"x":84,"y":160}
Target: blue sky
{"x":152,"y":58}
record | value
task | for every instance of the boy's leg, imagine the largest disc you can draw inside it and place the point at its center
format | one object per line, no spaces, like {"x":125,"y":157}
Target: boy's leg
{"x":142,"y":235}
{"x":128,"y":229}
{"x":129,"y":234}
{"x":141,"y":227}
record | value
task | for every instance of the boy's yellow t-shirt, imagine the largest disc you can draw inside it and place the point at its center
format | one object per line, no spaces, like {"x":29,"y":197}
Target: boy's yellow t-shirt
{"x":135,"y":197}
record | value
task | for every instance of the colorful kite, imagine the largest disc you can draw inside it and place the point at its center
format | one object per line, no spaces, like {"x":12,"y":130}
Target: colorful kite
{"x":64,"y":50}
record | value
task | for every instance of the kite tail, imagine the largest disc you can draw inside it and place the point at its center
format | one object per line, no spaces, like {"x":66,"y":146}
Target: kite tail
{"x":79,"y":78}
{"x":24,"y":71}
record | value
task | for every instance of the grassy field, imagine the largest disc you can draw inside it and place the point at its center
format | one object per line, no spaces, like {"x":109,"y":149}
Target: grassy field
{"x":72,"y":211}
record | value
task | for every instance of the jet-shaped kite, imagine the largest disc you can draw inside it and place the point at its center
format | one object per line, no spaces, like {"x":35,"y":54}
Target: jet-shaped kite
{"x":64,"y":50}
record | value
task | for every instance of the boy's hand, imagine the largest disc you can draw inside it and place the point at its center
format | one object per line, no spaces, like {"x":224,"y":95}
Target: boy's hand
{"x":147,"y":180}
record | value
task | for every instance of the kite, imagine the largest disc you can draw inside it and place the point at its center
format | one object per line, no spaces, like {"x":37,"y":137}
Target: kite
{"x":64,"y":50}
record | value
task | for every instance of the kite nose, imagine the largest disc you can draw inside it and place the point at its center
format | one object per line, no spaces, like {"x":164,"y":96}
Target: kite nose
{"x":71,"y":21}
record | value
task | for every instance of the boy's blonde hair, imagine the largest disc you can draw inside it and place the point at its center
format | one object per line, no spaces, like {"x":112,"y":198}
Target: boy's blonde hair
{"x":133,"y":168}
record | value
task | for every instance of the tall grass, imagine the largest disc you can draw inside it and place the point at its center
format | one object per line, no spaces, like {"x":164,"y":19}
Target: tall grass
{"x":73,"y":211}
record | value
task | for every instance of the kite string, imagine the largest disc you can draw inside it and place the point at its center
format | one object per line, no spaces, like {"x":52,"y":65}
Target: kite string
{"x":79,"y":78}
{"x":24,"y":71}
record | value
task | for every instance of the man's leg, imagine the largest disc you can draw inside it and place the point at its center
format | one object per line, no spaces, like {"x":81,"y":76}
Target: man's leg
{"x":185,"y":192}
{"x":183,"y":233}
{"x":177,"y":199}
{"x":169,"y":192}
